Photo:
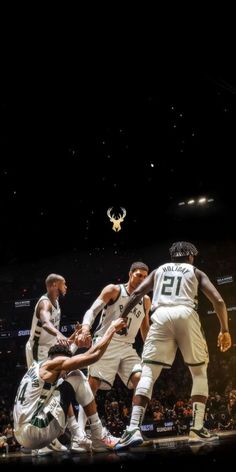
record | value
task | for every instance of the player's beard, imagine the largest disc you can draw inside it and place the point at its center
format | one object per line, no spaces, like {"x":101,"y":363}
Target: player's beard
{"x":61,"y":293}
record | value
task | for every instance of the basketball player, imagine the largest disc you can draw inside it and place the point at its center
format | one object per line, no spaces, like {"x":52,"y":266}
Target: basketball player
{"x":120,"y":357}
{"x":44,"y":334}
{"x":48,"y":388}
{"x":175,"y":323}
{"x":45,"y":325}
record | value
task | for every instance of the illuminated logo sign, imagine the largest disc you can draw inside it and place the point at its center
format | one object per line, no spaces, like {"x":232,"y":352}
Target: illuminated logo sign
{"x":224,"y":280}
{"x":116,"y":221}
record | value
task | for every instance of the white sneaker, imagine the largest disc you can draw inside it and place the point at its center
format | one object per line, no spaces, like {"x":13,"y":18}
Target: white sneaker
{"x":81,"y":444}
{"x":201,"y":435}
{"x":44,"y":451}
{"x":55,"y":445}
{"x":107,"y":442}
{"x":129,"y":439}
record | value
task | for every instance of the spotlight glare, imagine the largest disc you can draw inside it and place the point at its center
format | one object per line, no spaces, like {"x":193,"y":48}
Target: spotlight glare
{"x":202,"y":200}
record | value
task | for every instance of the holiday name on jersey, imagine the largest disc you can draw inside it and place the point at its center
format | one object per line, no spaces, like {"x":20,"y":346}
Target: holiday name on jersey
{"x":175,"y":269}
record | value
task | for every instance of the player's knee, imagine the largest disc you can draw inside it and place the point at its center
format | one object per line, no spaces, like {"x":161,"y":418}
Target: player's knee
{"x":134,"y":380}
{"x":150,"y":372}
{"x":200,"y":382}
{"x":94,"y":384}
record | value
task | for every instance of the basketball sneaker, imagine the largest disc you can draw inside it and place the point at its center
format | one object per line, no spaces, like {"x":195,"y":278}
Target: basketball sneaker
{"x":81,"y":444}
{"x":200,"y":435}
{"x":107,"y":442}
{"x":129,"y":439}
{"x":55,"y":445}
{"x":44,"y":451}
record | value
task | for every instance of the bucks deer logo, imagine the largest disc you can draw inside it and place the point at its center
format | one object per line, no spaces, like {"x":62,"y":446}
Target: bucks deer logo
{"x":116,"y":221}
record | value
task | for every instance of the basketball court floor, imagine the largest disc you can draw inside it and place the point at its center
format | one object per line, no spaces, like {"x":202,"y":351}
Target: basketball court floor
{"x":161,"y":451}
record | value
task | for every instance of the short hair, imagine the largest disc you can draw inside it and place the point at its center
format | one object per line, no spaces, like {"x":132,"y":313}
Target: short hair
{"x":138,"y":265}
{"x":51,"y":278}
{"x":59,"y":350}
{"x":182,"y":249}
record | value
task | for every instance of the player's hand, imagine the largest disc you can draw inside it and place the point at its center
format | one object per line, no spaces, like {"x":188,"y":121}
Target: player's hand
{"x":80,"y":338}
{"x":119,"y":324}
{"x":124,"y":330}
{"x":224,"y":341}
{"x":83,"y":339}
{"x":78,"y":327}
{"x":61,"y":339}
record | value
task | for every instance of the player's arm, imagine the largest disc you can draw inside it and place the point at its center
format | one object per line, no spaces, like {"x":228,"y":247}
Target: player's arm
{"x":108,"y":294}
{"x":144,"y":328}
{"x":89,"y":357}
{"x":209,"y":290}
{"x":44,"y":314}
{"x":145,"y":287}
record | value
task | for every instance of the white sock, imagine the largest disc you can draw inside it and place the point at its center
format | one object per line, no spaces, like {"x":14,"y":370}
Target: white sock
{"x":198,"y":414}
{"x":73,"y":426}
{"x":96,"y":426}
{"x":82,"y":420}
{"x":137,"y":417}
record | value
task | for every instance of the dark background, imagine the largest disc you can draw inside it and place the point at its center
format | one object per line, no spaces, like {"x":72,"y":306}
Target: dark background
{"x":67,"y":155}
{"x":145,"y":142}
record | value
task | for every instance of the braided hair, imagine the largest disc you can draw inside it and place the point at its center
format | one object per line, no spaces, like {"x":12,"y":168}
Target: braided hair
{"x":182,"y":249}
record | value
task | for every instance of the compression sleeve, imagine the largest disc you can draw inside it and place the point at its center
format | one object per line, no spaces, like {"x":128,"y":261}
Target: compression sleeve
{"x":93,"y":311}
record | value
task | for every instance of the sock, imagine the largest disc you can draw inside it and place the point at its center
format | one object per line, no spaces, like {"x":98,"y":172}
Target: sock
{"x":96,"y":426}
{"x":198,"y":415}
{"x":73,"y":426}
{"x":137,"y":417}
{"x":82,"y":420}
{"x":93,"y":419}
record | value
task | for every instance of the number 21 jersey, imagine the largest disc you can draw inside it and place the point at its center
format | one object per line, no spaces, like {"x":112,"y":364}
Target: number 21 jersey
{"x":175,"y":284}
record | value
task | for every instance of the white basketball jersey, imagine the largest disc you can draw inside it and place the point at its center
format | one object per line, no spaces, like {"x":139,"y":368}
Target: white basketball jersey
{"x":32,"y":395}
{"x":175,"y":284}
{"x":38,"y":335}
{"x":113,"y":311}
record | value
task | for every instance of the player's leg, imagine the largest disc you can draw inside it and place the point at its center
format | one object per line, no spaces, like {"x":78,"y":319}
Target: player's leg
{"x":199,"y":395}
{"x":101,"y":376}
{"x":85,"y":398}
{"x":82,"y":417}
{"x":193,"y":346}
{"x":159,"y":351}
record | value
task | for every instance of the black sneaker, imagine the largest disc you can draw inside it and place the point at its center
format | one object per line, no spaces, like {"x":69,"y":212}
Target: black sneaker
{"x":199,"y":435}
